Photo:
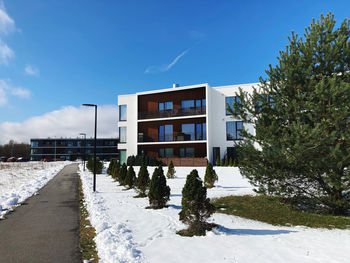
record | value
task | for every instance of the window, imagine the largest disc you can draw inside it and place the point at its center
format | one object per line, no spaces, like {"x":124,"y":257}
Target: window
{"x":35,"y":144}
{"x":189,"y":131}
{"x":230,"y":101}
{"x":233,"y":130}
{"x":166,"y":152}
{"x":122,"y":134}
{"x":122,"y":156}
{"x":186,"y":152}
{"x":122,"y":112}
{"x":165,"y":133}
{"x":165,"y":105}
{"x":201,"y":131}
{"x":187,"y":104}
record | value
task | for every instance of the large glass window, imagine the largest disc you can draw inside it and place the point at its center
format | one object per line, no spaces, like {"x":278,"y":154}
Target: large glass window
{"x":230,"y":103}
{"x":189,"y":131}
{"x":165,"y":105}
{"x":122,"y":134}
{"x":186,"y":152}
{"x":165,"y":133}
{"x":187,"y":104}
{"x":233,"y":130}
{"x":166,"y":152}
{"x":201,"y":131}
{"x":35,"y":144}
{"x":122,"y":112}
{"x":122,"y":156}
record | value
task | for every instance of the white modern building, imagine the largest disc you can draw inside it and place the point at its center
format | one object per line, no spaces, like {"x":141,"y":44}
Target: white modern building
{"x":188,"y":124}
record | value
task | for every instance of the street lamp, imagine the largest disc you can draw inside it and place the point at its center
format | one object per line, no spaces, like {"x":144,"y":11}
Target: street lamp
{"x":94,"y":105}
{"x":84,"y":134}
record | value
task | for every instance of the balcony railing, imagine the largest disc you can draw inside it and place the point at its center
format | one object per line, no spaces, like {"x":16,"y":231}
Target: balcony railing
{"x":176,"y":136}
{"x":172,"y":113}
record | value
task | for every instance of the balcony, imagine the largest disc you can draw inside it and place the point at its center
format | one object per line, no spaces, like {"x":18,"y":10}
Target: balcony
{"x":175,"y":137}
{"x":172,"y":113}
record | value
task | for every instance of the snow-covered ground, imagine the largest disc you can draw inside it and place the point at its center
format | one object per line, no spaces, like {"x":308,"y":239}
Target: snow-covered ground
{"x":18,"y":181}
{"x":127,"y":232}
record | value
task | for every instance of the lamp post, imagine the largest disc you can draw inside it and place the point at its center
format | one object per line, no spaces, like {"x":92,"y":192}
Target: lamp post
{"x":84,"y":134}
{"x":94,"y":105}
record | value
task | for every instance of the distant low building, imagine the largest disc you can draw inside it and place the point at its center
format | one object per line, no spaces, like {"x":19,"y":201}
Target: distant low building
{"x":72,"y":148}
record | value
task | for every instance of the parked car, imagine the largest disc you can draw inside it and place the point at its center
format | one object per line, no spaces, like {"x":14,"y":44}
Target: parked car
{"x":11,"y":159}
{"x":22,"y":159}
{"x":3,"y":159}
{"x":46,"y":159}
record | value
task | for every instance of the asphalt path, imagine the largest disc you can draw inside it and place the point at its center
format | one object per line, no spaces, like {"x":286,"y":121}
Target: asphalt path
{"x":46,"y":227}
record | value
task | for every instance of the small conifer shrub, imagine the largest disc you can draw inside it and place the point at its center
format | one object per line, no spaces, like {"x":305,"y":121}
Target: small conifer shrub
{"x":159,"y":192}
{"x":142,"y":181}
{"x":130,"y":177}
{"x":196,"y":207}
{"x":109,"y":169}
{"x":230,"y":163}
{"x":222,"y":163}
{"x":226,"y":161}
{"x":122,"y":174}
{"x":90,"y":165}
{"x":217,"y":161}
{"x":210,"y":176}
{"x":115,"y":170}
{"x":171,"y":171}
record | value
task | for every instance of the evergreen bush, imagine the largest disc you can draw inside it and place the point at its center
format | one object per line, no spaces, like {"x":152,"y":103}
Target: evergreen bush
{"x":171,"y":171}
{"x":226,"y":161}
{"x":115,"y":170}
{"x":230,"y":163}
{"x":130,"y":177}
{"x":196,"y":207}
{"x":210,"y":176}
{"x":142,"y":181}
{"x":90,"y":165}
{"x":122,"y":174}
{"x":159,"y":192}
{"x":217,"y":161}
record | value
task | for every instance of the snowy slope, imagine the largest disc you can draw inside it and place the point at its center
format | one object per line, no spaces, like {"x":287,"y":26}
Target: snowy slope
{"x":18,"y":181}
{"x":127,"y":232}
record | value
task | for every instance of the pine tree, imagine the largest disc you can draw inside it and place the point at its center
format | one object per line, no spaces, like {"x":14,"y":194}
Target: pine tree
{"x":226,"y":161}
{"x":142,"y":181}
{"x":122,"y":174}
{"x":109,"y":169}
{"x":171,"y":171}
{"x":159,"y":192}
{"x":130,"y":177}
{"x":210,"y":176}
{"x":196,"y":207}
{"x":221,"y":163}
{"x":301,"y":116}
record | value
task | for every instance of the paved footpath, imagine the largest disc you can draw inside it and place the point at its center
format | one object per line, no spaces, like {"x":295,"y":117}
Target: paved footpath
{"x":46,"y":227}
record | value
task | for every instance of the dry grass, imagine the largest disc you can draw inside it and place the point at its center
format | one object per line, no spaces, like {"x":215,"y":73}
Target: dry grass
{"x":87,"y":232}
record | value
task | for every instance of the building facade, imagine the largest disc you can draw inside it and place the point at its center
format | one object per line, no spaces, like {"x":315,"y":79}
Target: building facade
{"x":185,"y":124}
{"x":72,"y":148}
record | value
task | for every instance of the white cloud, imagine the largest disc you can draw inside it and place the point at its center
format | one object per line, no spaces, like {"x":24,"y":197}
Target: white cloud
{"x":5,"y":53}
{"x":163,"y":68}
{"x":68,"y":121}
{"x":7,"y":24}
{"x":31,"y":70}
{"x":21,"y":93}
{"x":6,"y":89}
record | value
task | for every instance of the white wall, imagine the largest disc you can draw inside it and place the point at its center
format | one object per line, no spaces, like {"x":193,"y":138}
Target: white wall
{"x":131,"y":123}
{"x":217,"y":117}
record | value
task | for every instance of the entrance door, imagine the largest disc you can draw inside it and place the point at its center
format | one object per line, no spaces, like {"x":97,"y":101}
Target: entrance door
{"x":216,"y":154}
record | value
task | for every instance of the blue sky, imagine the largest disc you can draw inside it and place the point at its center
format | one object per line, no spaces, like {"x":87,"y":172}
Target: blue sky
{"x":59,"y":53}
